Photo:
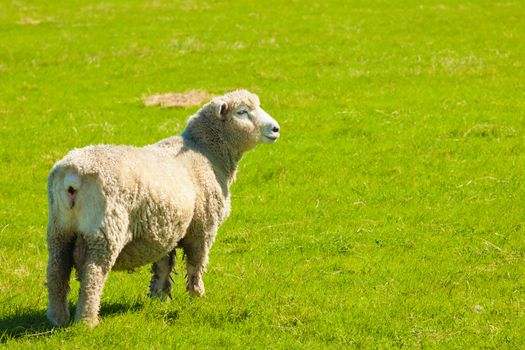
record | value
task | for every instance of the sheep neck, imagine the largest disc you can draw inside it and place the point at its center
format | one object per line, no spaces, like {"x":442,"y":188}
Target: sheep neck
{"x":214,"y":145}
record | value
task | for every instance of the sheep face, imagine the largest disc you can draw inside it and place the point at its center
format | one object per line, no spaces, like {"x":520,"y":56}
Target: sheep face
{"x":245,"y":120}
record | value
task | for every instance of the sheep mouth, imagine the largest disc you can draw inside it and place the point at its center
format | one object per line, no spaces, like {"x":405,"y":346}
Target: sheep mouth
{"x":270,"y":138}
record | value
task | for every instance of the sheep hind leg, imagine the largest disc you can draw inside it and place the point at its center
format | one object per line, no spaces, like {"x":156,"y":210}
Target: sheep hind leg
{"x":100,"y":256}
{"x":161,"y":281}
{"x":60,"y":263}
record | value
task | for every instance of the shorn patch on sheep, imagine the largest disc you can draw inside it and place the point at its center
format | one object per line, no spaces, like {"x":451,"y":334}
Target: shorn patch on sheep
{"x":120,"y":207}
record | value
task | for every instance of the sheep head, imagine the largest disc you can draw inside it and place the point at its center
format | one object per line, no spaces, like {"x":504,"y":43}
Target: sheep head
{"x":244,"y":120}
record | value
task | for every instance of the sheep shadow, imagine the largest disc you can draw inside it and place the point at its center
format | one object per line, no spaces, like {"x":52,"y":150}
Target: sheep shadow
{"x":24,"y":323}
{"x":33,"y":323}
{"x":107,"y":309}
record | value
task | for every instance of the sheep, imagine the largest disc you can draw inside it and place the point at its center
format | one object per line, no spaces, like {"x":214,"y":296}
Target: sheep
{"x":120,"y":207}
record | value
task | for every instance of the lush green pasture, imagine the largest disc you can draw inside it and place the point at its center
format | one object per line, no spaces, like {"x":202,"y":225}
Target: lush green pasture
{"x":390,"y":214}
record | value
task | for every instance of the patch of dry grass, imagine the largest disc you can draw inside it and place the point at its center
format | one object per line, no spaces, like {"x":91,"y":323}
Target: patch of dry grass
{"x":177,"y":99}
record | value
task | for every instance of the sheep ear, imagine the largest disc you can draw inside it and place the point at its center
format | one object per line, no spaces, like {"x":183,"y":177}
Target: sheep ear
{"x":220,"y":109}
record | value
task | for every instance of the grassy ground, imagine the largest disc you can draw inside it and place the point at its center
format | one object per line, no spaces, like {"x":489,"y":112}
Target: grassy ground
{"x":390,"y":214}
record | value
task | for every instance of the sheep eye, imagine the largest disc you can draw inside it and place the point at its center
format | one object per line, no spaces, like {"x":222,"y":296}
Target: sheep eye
{"x":242,"y":112}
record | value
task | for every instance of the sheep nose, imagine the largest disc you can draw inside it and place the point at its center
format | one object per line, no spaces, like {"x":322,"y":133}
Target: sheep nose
{"x":275,"y":128}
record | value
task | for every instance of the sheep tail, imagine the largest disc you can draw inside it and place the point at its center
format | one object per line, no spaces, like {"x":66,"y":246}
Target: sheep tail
{"x":72,"y":183}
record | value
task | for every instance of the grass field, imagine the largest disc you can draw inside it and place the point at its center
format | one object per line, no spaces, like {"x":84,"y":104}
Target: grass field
{"x":390,"y":214}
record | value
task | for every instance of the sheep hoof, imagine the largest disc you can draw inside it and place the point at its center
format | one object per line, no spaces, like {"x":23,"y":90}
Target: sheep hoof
{"x":90,"y":322}
{"x":196,"y":291}
{"x":58,"y":319}
{"x":160,"y":292}
{"x":195,"y":286}
{"x":160,"y":295}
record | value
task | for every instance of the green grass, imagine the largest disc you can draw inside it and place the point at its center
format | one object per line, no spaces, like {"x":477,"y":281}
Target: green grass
{"x":390,"y":214}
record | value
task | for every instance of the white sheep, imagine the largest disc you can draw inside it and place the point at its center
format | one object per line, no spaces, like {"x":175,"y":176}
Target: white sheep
{"x":120,"y":207}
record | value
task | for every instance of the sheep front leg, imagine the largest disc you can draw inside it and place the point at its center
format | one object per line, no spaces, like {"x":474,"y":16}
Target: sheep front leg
{"x":99,"y":259}
{"x":160,"y":285}
{"x":197,"y":259}
{"x":59,"y":266}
